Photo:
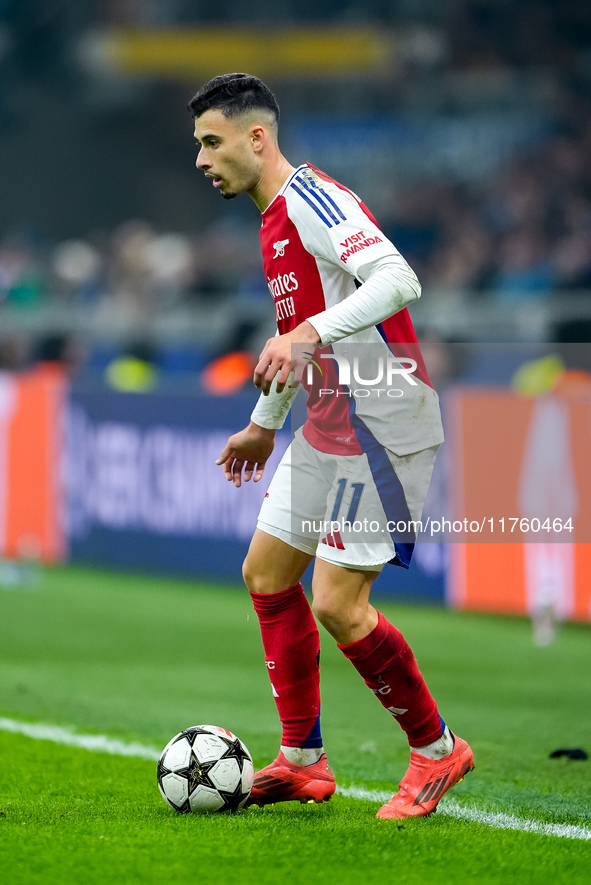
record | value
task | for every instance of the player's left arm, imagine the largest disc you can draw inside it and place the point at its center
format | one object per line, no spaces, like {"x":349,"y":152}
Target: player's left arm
{"x":358,"y":246}
{"x":388,"y":285}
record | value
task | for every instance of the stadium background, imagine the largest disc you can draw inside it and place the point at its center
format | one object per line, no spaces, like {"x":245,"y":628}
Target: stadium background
{"x":132,"y":299}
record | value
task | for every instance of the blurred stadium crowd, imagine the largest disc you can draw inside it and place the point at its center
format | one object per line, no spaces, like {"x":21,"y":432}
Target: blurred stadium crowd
{"x":517,"y":236}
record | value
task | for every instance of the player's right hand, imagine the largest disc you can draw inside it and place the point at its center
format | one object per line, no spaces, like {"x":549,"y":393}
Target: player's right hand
{"x":247,"y":450}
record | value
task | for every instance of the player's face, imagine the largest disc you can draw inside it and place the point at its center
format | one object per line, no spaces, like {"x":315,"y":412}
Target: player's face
{"x":226,"y":153}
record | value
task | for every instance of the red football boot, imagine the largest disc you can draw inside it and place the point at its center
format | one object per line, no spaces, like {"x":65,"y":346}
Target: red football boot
{"x":282,"y":781}
{"x":427,"y":781}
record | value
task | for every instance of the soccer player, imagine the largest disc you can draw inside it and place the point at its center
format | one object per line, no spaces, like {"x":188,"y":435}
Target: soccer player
{"x":356,"y":475}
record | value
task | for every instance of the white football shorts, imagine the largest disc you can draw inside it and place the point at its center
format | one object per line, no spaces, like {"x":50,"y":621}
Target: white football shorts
{"x":356,"y":511}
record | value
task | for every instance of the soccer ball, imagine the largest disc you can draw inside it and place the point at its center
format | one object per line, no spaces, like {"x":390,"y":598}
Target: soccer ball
{"x":205,"y":768}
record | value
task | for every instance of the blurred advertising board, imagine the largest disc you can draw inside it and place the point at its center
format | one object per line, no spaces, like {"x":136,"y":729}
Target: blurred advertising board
{"x":519,"y":517}
{"x":31,"y":444}
{"x":129,"y":481}
{"x":144,"y":492}
{"x":143,"y":489}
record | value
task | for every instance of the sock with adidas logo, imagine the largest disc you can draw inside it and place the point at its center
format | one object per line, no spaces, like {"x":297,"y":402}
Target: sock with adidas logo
{"x":302,"y":755}
{"x":440,"y":748}
{"x":385,"y":661}
{"x":292,"y":654}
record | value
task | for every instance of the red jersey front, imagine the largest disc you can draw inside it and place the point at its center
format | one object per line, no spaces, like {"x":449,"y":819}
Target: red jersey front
{"x":319,"y":243}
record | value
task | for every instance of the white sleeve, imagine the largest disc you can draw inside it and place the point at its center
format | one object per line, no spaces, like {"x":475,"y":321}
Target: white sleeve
{"x":389,"y":285}
{"x":272,"y":410}
{"x":335,"y":226}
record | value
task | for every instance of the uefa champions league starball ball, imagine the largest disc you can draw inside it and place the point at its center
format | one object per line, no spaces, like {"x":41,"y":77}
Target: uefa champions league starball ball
{"x":205,"y":769}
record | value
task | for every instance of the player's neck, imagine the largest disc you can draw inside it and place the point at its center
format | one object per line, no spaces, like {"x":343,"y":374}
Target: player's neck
{"x":271,"y":181}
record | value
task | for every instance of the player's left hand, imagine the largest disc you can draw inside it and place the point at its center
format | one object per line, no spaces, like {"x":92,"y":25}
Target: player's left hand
{"x":284,"y":354}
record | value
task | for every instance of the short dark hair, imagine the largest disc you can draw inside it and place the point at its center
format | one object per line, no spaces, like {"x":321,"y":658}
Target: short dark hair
{"x":234,"y":95}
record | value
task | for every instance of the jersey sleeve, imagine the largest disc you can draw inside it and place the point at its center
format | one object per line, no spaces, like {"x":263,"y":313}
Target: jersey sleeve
{"x":337,"y":228}
{"x":335,"y":225}
{"x":387,"y":289}
{"x":272,"y":410}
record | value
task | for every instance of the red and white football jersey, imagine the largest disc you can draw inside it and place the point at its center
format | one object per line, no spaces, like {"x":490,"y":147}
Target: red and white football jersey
{"x":320,"y":243}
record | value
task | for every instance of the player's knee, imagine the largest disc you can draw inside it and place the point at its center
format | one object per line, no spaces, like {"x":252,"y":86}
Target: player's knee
{"x":331,"y":614}
{"x":259,"y":578}
{"x":252,"y":575}
{"x":345,"y":622}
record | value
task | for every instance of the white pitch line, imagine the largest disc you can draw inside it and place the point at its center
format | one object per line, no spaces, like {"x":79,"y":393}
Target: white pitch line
{"x":496,"y":819}
{"x":97,"y":743}
{"x":503,"y":821}
{"x":101,"y":743}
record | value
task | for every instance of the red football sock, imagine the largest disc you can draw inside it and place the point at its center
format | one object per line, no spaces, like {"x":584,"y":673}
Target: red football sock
{"x":292,"y":654}
{"x":387,"y":664}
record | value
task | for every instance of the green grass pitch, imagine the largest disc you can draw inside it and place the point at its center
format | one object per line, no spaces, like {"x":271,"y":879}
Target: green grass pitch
{"x":138,"y":659}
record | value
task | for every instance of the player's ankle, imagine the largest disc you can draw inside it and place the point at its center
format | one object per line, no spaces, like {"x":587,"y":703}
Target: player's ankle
{"x":302,"y":755}
{"x":443,"y":746}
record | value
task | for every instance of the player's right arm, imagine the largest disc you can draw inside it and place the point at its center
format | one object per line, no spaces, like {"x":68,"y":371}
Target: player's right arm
{"x":248,"y":451}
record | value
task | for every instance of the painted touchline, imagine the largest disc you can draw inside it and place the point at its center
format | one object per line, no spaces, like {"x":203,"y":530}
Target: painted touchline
{"x":100,"y":743}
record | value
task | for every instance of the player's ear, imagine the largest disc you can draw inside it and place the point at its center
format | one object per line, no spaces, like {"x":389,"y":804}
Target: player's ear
{"x":258,"y":136}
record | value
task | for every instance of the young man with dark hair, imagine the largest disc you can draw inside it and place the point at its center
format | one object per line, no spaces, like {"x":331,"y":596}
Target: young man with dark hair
{"x":340,"y":290}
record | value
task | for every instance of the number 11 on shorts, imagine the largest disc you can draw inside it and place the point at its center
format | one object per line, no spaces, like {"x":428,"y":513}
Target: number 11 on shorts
{"x":353,"y":506}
